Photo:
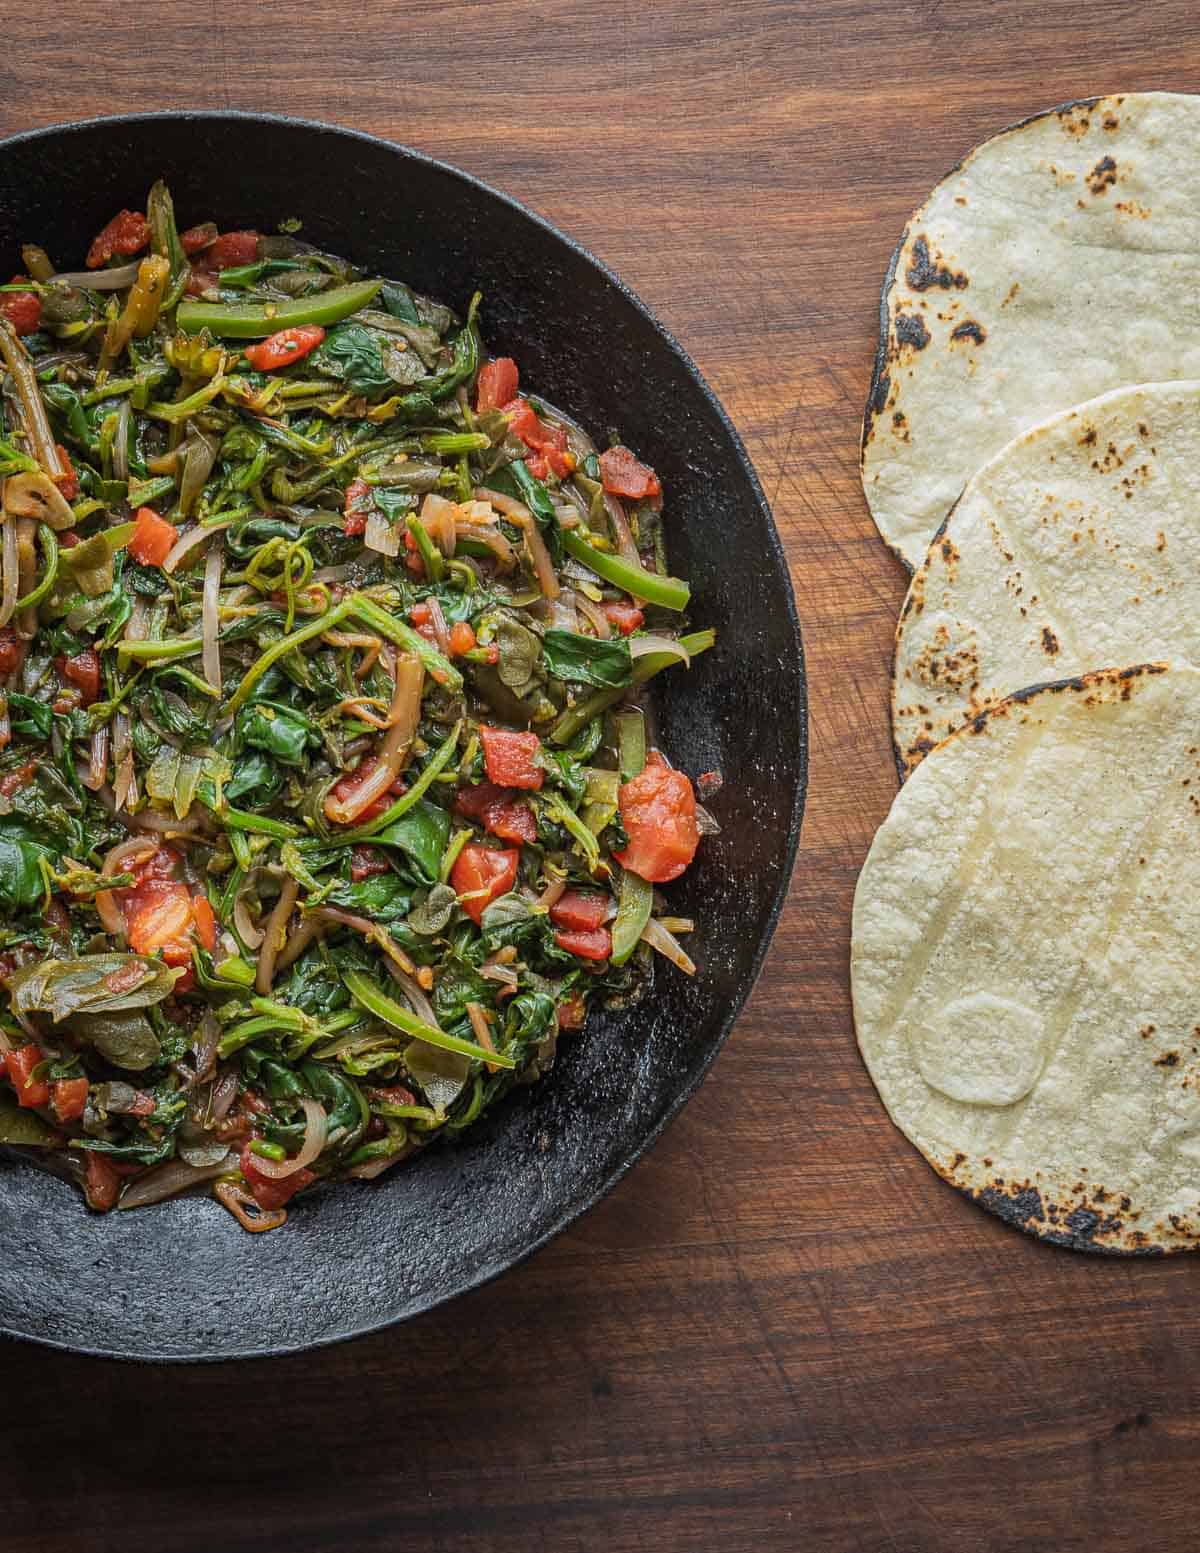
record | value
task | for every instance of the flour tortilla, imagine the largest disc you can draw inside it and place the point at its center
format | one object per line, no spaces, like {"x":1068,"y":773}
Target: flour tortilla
{"x":1024,"y":963}
{"x":1059,"y":260}
{"x":1077,"y":545}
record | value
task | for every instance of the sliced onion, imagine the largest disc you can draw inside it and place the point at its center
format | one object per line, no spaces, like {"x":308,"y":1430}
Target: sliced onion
{"x":298,"y":942}
{"x":120,"y":445}
{"x":658,"y":938}
{"x":136,"y":850}
{"x":380,"y":535}
{"x":504,"y":974}
{"x":9,"y":568}
{"x":188,"y":542}
{"x":97,"y":769}
{"x":250,"y":935}
{"x":706,"y":823}
{"x":594,"y":616}
{"x":5,"y":724}
{"x":552,"y":893}
{"x":135,"y":626}
{"x":35,"y":495}
{"x":246,"y":1211}
{"x":275,"y":936}
{"x":641,"y":645}
{"x":438,"y":516}
{"x":165,"y":824}
{"x":98,"y":280}
{"x":372,"y":931}
{"x":413,"y":992}
{"x":172,"y":1178}
{"x":562,"y":612}
{"x":621,"y":532}
{"x":506,"y":556}
{"x":316,"y":1130}
{"x":199,"y":454}
{"x":210,"y":617}
{"x":437,"y":620}
{"x":404,"y":715}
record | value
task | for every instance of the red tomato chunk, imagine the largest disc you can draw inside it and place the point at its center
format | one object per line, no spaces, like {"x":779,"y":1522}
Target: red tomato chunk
{"x":511,"y":758}
{"x":658,"y":811}
{"x":481,"y":875}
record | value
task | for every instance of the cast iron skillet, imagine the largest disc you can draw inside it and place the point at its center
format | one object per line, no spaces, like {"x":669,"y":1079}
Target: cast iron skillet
{"x":182,"y":1281}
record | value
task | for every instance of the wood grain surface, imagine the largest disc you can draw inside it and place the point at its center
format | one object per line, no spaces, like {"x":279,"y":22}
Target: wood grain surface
{"x":781,"y":1332}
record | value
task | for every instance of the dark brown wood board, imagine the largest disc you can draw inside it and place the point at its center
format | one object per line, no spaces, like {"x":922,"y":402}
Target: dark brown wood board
{"x":781,"y":1332}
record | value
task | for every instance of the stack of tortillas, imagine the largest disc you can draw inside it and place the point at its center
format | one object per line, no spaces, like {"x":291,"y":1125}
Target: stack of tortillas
{"x":1025,"y":970}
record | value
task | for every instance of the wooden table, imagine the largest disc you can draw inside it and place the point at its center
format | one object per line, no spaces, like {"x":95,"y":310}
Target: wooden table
{"x":781,"y":1333}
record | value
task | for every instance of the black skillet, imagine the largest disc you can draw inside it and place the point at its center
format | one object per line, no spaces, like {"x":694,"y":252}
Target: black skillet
{"x":182,"y":1281}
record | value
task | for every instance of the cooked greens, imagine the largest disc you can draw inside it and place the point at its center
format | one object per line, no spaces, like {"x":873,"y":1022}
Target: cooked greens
{"x":319,"y":649}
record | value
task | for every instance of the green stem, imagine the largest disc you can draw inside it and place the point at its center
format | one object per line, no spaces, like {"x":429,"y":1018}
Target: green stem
{"x":670,"y":592}
{"x":160,"y":652}
{"x":49,"y":575}
{"x":403,"y":635}
{"x":442,"y":757}
{"x":255,"y":320}
{"x":634,"y":900}
{"x":369,"y":997}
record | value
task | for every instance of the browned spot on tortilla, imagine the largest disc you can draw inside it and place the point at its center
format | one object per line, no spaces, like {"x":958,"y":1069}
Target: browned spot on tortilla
{"x":1110,"y":122}
{"x":1087,"y":437}
{"x":1102,"y":176}
{"x":1049,"y":642}
{"x":1012,"y":291}
{"x":911,"y":331}
{"x":970,"y":330}
{"x":1167,"y":1060}
{"x":926,"y":269}
{"x":1132,"y":208}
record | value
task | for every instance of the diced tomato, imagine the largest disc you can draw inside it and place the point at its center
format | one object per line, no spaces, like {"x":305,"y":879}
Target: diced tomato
{"x":481,"y":874}
{"x":511,"y":758}
{"x":127,"y":233}
{"x":205,"y":922}
{"x":200,"y":281}
{"x":198,"y":237}
{"x":587,"y":943}
{"x":56,"y":917}
{"x":267,"y":1192}
{"x":13,"y":781}
{"x":525,"y":423}
{"x":572,"y":1013}
{"x":622,"y":474}
{"x":232,"y":249}
{"x":282,"y":349}
{"x":345,"y":787}
{"x":158,"y":918}
{"x":82,"y":670}
{"x":421,"y":615}
{"x":142,"y":1104}
{"x":537,"y":466}
{"x":152,"y":537}
{"x":625,"y":617}
{"x":12,"y":650}
{"x":23,"y":309}
{"x":658,"y":811}
{"x":497,"y":384}
{"x":498,"y":811}
{"x":102,"y":1183}
{"x":68,"y":539}
{"x":462,"y":638}
{"x":358,"y":499}
{"x":70,"y":1098}
{"x":67,"y":483}
{"x":581,"y":909}
{"x":365,"y":862}
{"x":20,"y":1065}
{"x":163,"y":917}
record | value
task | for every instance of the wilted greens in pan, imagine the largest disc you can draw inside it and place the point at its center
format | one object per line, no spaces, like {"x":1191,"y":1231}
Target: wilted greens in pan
{"x":325,"y":796}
